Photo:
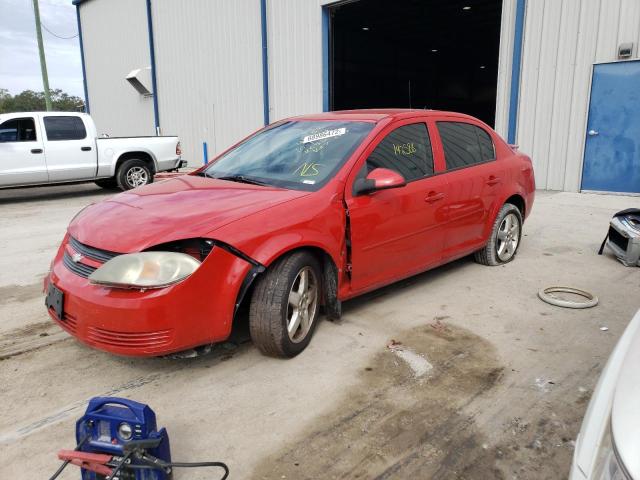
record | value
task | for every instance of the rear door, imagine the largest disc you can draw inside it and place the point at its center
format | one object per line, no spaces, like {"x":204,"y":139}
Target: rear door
{"x":474,"y":180}
{"x":396,"y":232}
{"x":22,"y":159}
{"x":70,"y":150}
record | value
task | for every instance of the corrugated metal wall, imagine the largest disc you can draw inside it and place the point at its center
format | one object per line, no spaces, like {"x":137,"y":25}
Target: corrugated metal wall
{"x":507,"y":31}
{"x":562,"y":40}
{"x":294,"y":30}
{"x":209,"y":71}
{"x":115,"y":39}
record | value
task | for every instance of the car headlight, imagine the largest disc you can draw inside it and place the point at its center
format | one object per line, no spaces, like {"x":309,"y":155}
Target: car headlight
{"x":608,"y":466}
{"x":145,"y":270}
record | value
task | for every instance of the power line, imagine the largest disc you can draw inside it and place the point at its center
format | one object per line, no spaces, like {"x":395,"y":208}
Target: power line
{"x":58,"y":36}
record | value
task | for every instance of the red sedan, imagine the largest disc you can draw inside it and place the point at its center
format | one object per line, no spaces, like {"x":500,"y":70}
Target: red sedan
{"x":303,"y":214}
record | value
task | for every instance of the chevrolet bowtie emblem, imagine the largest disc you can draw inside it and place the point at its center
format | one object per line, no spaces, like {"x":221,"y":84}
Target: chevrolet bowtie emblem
{"x":76,"y":257}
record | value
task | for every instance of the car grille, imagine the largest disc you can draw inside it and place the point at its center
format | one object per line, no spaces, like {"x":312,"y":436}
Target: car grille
{"x":141,"y":340}
{"x":147,"y":341}
{"x":68,"y":323}
{"x":96,"y":254}
{"x":76,"y":267}
{"x":92,"y":252}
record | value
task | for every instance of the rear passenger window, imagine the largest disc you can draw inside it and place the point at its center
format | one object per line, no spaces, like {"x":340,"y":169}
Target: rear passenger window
{"x":465,"y":144}
{"x":64,"y":128}
{"x":18,"y":130}
{"x":406,"y":150}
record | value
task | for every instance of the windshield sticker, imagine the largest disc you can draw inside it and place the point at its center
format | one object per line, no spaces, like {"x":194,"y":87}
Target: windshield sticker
{"x":308,"y":169}
{"x":326,"y":134}
{"x":404,"y":149}
{"x":310,"y":182}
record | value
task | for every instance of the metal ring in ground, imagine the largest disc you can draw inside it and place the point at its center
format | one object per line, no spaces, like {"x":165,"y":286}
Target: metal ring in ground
{"x":546,"y":296}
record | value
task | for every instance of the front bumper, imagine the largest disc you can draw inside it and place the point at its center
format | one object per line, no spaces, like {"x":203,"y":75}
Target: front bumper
{"x":194,"y":312}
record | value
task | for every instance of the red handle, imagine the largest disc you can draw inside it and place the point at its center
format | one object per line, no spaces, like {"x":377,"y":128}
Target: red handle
{"x":434,"y":197}
{"x":94,"y":462}
{"x":493,"y":180}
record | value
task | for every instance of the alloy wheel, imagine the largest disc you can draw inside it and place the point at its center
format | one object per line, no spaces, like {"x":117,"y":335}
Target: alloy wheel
{"x":508,"y":237}
{"x":303,"y":302}
{"x":137,"y":176}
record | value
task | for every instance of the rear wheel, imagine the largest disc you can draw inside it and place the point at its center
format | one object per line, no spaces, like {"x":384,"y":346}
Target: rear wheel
{"x":285,"y":305}
{"x":505,"y":237}
{"x":133,"y":173}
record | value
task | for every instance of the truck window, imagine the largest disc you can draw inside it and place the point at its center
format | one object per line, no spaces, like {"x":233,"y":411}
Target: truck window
{"x":18,"y":130}
{"x":64,"y":128}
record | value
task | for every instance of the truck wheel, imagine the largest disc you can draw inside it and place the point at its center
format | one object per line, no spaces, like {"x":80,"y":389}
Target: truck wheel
{"x":133,"y":173}
{"x":107,"y":183}
{"x":285,"y":304}
{"x":505,"y":237}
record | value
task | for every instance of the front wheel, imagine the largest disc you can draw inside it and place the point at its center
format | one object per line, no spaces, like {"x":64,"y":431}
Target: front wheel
{"x":505,"y":237}
{"x":133,"y":173}
{"x":285,"y":305}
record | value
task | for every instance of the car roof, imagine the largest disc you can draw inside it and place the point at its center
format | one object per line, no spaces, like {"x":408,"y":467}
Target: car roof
{"x":377,"y":114}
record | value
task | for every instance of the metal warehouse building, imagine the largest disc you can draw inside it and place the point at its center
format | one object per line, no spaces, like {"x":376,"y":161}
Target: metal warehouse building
{"x":561,"y":78}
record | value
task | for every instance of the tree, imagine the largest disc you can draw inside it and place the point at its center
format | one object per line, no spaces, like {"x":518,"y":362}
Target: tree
{"x":30,"y":101}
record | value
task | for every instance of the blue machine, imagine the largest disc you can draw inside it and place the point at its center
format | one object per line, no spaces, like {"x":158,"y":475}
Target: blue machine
{"x":118,"y":439}
{"x":110,"y":423}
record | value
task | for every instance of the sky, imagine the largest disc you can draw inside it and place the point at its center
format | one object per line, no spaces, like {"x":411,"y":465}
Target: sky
{"x":19,"y":61}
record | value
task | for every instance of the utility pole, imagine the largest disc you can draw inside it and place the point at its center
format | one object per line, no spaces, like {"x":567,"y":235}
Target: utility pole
{"x":43,"y":61}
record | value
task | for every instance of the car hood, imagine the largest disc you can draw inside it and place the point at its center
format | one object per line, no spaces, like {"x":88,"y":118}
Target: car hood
{"x":625,"y":419}
{"x":183,"y":207}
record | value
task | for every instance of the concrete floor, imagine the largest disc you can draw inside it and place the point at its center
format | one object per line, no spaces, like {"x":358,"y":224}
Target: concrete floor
{"x":502,"y":396}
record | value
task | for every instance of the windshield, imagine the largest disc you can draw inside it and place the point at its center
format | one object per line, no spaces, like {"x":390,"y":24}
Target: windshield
{"x":301,"y":155}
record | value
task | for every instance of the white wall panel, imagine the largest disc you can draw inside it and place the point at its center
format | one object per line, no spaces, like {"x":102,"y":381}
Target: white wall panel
{"x":115,"y":43}
{"x":562,"y":40}
{"x":209,"y":69}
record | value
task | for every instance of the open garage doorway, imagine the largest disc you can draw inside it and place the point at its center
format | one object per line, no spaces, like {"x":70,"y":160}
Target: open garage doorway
{"x":438,"y":54}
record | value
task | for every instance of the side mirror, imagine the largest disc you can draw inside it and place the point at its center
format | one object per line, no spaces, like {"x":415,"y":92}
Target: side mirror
{"x":379,"y":179}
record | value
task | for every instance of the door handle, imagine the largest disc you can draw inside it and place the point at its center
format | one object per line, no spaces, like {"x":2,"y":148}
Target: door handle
{"x":433,"y":197}
{"x":36,"y":150}
{"x":85,"y":149}
{"x":493,"y":180}
{"x":593,"y":133}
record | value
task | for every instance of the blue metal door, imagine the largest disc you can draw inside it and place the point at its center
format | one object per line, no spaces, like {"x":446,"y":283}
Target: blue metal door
{"x":612,"y":149}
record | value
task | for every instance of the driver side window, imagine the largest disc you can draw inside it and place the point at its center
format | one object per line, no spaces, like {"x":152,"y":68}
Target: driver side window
{"x":406,"y":150}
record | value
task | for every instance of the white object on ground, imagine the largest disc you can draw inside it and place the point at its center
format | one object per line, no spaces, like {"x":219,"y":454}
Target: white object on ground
{"x":547,"y":295}
{"x":416,"y":362}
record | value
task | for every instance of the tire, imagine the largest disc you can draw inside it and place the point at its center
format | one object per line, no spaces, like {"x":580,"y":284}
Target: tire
{"x":133,"y":173}
{"x":107,"y":183}
{"x":273,"y":311}
{"x":332,"y":306}
{"x":504,"y":239}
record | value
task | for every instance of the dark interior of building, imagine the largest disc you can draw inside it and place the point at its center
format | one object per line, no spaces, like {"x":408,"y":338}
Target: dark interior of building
{"x":438,"y":54}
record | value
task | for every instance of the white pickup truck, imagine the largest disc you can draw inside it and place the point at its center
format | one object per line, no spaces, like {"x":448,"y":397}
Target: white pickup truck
{"x":40,"y":148}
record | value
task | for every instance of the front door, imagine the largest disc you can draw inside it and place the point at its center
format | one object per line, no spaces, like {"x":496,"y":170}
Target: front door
{"x":397,"y":232}
{"x":22,"y":159}
{"x":612,"y":148}
{"x":71,"y":153}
